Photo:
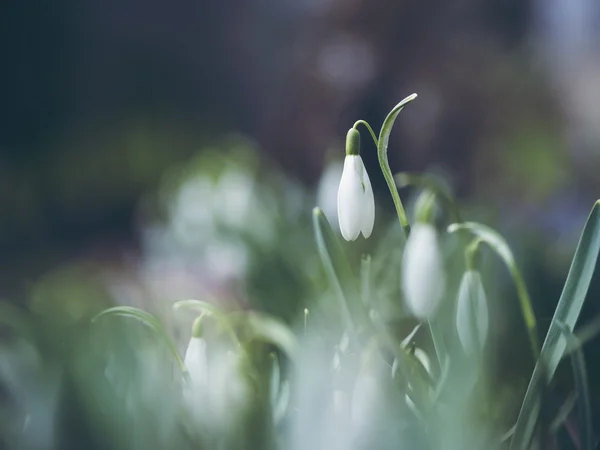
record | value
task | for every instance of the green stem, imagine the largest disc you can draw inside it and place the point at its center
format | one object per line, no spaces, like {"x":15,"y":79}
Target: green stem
{"x":526,"y":310}
{"x":382,"y":146}
{"x":497,"y":243}
{"x":366,"y":124}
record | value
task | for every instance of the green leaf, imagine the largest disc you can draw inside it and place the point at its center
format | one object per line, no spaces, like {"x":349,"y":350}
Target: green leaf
{"x":586,"y":436}
{"x":382,"y":147}
{"x":147,"y":319}
{"x":564,"y":412}
{"x":499,"y":245}
{"x":338,"y":272}
{"x":567,"y":312}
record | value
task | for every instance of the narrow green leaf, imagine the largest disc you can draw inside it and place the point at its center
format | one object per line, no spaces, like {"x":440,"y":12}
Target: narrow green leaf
{"x":499,"y":245}
{"x":564,"y":411}
{"x":147,"y":319}
{"x":586,"y":436}
{"x":567,"y":312}
{"x":338,"y":271}
{"x":382,"y":147}
{"x":586,"y":333}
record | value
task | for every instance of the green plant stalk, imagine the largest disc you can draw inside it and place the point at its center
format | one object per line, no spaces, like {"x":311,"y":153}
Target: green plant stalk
{"x":526,"y":310}
{"x":567,"y":312}
{"x":366,"y":124}
{"x":382,"y":146}
{"x":583,"y":391}
{"x":497,"y":243}
{"x":150,"y":321}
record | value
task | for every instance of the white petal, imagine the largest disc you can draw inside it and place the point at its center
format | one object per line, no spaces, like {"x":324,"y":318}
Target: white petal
{"x":196,"y":362}
{"x":423,"y":279}
{"x":368,"y":217}
{"x":350,"y":196}
{"x":472,"y":300}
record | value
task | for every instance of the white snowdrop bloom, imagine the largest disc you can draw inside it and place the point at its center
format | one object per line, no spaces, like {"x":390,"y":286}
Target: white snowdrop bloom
{"x":217,"y":394}
{"x":356,"y":204}
{"x":472,"y":319}
{"x":422,"y":275}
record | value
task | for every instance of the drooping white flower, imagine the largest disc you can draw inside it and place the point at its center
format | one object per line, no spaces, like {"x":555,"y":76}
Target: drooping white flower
{"x":218,"y":392}
{"x":196,"y":361}
{"x":422,"y":275}
{"x":356,"y":204}
{"x":472,"y":320}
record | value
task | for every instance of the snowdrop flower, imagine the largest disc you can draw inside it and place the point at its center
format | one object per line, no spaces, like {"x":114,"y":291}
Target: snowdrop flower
{"x":422,"y":274}
{"x":356,"y":204}
{"x":472,"y":319}
{"x":196,"y":359}
{"x":218,"y":387}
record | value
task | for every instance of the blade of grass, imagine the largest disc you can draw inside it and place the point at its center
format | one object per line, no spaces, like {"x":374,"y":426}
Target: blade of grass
{"x":564,"y":412}
{"x":586,"y":437}
{"x":147,"y":319}
{"x":567,"y":312}
{"x":382,"y":146}
{"x":497,"y":243}
{"x":335,"y":262}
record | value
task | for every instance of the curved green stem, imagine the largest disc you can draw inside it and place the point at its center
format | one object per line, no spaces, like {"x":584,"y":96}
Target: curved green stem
{"x":427,"y":181}
{"x":382,"y":146}
{"x":366,"y":124}
{"x":497,"y":243}
{"x":150,"y":321}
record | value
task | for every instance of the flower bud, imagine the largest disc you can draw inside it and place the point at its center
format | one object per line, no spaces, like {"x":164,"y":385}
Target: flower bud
{"x":472,"y":319}
{"x":422,"y":275}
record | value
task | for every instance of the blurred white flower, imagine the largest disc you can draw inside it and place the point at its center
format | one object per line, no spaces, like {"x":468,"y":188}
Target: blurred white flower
{"x":356,"y":204}
{"x":218,"y":392}
{"x":472,"y":319}
{"x":326,"y":191}
{"x":422,"y":275}
{"x":196,"y":361}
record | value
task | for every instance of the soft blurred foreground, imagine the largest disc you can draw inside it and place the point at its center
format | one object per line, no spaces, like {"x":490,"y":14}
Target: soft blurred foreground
{"x":246,"y":323}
